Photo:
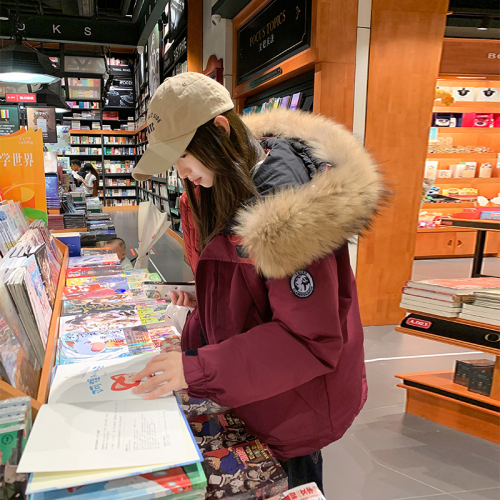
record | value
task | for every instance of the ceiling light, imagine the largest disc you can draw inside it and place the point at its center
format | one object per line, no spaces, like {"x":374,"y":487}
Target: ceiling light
{"x":49,"y":99}
{"x":485,"y":23}
{"x":20,"y":64}
{"x":3,"y":18}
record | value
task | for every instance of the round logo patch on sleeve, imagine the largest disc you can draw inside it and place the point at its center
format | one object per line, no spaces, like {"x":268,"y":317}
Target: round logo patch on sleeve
{"x":302,"y":284}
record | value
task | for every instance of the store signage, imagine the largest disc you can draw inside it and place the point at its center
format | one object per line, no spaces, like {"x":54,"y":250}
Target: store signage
{"x":463,"y":56}
{"x":9,"y":120}
{"x":281,"y":29}
{"x":120,"y":70}
{"x":20,"y":97}
{"x":173,"y":55}
{"x":420,"y":323}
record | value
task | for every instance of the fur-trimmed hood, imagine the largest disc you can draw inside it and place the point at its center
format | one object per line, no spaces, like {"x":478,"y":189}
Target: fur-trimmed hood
{"x":287,"y":231}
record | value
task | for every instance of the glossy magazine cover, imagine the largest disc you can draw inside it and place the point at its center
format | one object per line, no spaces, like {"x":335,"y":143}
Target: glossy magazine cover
{"x":152,"y":311}
{"x":115,"y":302}
{"x":99,"y":321}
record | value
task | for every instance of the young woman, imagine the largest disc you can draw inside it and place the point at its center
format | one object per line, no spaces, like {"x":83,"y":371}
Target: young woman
{"x":91,"y":181}
{"x":270,"y":205}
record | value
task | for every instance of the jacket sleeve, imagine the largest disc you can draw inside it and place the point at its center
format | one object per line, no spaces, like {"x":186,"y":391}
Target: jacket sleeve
{"x":189,"y":233}
{"x":303,"y":341}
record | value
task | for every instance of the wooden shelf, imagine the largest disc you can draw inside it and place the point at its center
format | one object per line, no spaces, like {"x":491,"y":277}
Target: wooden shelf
{"x":441,"y":229}
{"x":435,"y":397}
{"x":463,"y":180}
{"x":104,"y":132}
{"x":467,"y":107}
{"x":69,"y":230}
{"x":462,"y":156}
{"x":469,"y":130}
{"x":443,"y":380}
{"x":6,"y":390}
{"x":124,"y":207}
{"x":445,"y":340}
{"x":458,"y":206}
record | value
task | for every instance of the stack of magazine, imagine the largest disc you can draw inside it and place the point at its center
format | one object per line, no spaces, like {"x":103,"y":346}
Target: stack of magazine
{"x":29,"y":274}
{"x":12,"y":225}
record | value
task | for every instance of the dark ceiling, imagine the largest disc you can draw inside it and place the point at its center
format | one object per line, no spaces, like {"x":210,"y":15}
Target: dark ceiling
{"x":466,"y":16}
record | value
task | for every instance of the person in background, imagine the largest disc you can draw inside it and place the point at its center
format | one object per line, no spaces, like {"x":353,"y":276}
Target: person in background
{"x":276,"y":332}
{"x":91,"y":180}
{"x":119,"y":247}
{"x":76,"y":171}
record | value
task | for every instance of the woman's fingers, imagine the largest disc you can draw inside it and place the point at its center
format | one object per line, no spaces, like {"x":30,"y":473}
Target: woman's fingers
{"x":160,"y":391}
{"x":154,"y":366}
{"x":174,"y":298}
{"x":150,"y":383}
{"x":186,"y":301}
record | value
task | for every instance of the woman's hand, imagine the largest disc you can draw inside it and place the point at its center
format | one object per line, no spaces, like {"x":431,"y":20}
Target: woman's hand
{"x":182,"y":300}
{"x":169,"y":376}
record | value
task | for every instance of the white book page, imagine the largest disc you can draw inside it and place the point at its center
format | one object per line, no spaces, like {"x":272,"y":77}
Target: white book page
{"x":98,"y":381}
{"x":47,"y":481}
{"x":104,"y":435}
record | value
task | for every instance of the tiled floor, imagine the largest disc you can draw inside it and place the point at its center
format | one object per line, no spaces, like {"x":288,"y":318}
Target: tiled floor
{"x":388,"y":454}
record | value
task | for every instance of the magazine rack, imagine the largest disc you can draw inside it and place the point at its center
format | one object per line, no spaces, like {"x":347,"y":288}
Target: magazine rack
{"x":8,"y":391}
{"x":434,"y":396}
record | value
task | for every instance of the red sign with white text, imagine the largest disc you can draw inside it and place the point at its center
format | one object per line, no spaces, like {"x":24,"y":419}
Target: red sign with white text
{"x":20,"y":97}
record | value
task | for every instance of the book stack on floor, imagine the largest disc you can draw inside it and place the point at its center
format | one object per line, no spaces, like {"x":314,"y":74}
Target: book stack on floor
{"x":484,"y":309}
{"x":444,"y":297}
{"x":15,"y":426}
{"x":237,"y":465}
{"x":29,"y":274}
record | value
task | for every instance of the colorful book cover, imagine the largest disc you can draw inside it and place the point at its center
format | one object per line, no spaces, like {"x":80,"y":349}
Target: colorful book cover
{"x":457,"y":285}
{"x":78,"y":347}
{"x":94,"y":260}
{"x":115,"y":302}
{"x":183,"y":482}
{"x":117,"y":281}
{"x":218,"y":430}
{"x":84,"y":272}
{"x":139,"y":340}
{"x":309,"y":491}
{"x":245,"y":471}
{"x":165,"y":338}
{"x":154,"y":277}
{"x":43,"y":262}
{"x":152,"y":311}
{"x":21,"y":373}
{"x":92,"y":290}
{"x":192,"y":407}
{"x":38,"y":298}
{"x":96,"y":251}
{"x":99,"y":321}
{"x":136,"y":274}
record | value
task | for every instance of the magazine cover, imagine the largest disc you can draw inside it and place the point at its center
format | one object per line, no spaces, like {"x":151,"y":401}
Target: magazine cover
{"x":99,"y":321}
{"x":139,"y":340}
{"x":78,"y":347}
{"x":247,"y":470}
{"x":152,"y":311}
{"x":92,"y":290}
{"x":165,"y":338}
{"x":154,"y":277}
{"x":117,"y":281}
{"x":94,"y":260}
{"x":218,"y":430}
{"x":96,"y":251}
{"x":43,"y":262}
{"x":38,"y":298}
{"x":84,"y":272}
{"x":19,"y":370}
{"x":115,"y":302}
{"x":192,"y":407}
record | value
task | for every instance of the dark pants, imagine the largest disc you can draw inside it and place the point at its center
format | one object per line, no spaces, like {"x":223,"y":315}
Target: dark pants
{"x":303,"y":470}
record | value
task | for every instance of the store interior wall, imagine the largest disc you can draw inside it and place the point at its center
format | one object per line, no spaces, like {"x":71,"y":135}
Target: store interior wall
{"x":218,"y":41}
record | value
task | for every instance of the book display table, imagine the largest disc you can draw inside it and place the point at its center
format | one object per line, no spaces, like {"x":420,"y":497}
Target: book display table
{"x":434,"y":396}
{"x":482,"y":226}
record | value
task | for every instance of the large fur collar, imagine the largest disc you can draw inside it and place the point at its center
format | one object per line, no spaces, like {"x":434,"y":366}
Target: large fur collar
{"x":288,"y":231}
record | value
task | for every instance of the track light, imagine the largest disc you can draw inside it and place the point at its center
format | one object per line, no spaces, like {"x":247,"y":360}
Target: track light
{"x":47,"y":98}
{"x":485,"y":23}
{"x":20,"y":64}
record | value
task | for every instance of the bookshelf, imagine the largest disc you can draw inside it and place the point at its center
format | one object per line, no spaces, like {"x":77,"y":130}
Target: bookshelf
{"x":6,"y":390}
{"x":434,"y":396}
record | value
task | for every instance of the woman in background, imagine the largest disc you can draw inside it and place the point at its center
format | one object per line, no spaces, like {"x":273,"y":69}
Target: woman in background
{"x":91,"y":181}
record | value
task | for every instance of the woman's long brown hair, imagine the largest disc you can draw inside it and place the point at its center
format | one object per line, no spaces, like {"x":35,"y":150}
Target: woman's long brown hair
{"x":89,"y":168}
{"x":230,"y":158}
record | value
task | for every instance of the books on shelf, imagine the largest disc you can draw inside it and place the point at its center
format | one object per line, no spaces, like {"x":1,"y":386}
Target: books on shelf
{"x":458,"y":286}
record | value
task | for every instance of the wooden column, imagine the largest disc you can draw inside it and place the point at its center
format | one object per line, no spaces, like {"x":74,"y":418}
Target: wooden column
{"x":405,"y":50}
{"x":195,"y":35}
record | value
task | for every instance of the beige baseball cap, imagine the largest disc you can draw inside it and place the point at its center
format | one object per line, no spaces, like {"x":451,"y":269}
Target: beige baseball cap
{"x":179,"y":106}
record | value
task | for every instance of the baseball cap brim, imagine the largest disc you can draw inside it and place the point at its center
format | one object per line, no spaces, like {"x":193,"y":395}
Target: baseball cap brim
{"x":160,"y":156}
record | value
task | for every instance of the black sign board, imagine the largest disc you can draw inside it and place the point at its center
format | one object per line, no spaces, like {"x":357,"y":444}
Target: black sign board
{"x":281,"y":29}
{"x":125,"y":71}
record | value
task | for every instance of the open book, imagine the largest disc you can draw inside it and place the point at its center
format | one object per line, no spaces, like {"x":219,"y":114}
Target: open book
{"x":93,"y":421}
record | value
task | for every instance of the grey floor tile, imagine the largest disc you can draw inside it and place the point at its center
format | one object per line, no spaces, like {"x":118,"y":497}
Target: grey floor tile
{"x":487,"y":494}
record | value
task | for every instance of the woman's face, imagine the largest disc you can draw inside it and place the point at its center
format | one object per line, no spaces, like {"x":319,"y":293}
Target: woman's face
{"x":191,"y":168}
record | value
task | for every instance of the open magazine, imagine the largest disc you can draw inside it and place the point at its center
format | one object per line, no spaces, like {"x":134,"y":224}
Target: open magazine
{"x":93,"y":420}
